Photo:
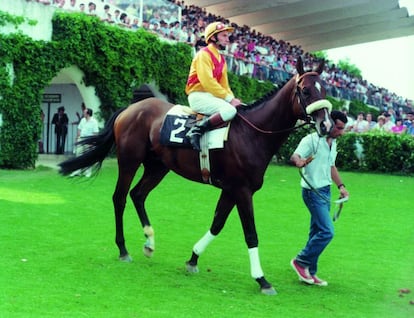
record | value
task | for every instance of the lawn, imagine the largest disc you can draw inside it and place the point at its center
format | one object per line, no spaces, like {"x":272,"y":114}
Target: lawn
{"x":60,"y":260}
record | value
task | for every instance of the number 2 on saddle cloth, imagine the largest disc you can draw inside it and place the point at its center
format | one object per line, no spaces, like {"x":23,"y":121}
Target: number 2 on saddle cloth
{"x":178,"y":122}
{"x":174,"y":128}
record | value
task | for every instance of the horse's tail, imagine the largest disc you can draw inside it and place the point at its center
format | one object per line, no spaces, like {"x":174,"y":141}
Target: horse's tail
{"x":96,"y":148}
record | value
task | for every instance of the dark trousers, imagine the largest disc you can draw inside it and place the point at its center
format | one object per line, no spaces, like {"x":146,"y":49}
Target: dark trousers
{"x":60,"y":143}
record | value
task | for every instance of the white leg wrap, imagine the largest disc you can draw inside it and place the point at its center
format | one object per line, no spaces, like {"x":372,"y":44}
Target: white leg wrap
{"x":255,"y":268}
{"x":148,"y":230}
{"x":202,"y":244}
{"x":149,"y":233}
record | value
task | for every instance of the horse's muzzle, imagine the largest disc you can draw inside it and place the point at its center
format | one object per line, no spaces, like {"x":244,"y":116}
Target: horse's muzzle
{"x":323,"y":122}
{"x":319,"y":111}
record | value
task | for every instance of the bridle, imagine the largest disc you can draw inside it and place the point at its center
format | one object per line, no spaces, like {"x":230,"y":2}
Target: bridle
{"x":301,"y":98}
{"x":302,"y":102}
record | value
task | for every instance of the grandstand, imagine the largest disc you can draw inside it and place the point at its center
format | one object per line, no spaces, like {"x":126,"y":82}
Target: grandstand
{"x":169,"y":18}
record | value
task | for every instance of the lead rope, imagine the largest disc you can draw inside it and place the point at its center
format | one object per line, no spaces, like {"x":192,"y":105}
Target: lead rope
{"x":312,"y":188}
{"x":339,"y":202}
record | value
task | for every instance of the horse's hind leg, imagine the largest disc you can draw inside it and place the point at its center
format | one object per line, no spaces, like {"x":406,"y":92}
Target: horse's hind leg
{"x":125,"y":177}
{"x":224,"y":206}
{"x":154,"y":172}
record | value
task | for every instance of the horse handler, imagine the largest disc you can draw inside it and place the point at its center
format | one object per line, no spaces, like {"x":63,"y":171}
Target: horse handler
{"x":207,"y":86}
{"x":317,"y":155}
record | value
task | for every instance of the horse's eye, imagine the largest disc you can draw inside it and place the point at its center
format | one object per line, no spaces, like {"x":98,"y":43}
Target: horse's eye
{"x":306,"y":92}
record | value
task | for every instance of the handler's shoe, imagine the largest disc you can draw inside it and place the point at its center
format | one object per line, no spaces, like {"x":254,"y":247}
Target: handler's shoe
{"x":303,"y":272}
{"x":319,"y":282}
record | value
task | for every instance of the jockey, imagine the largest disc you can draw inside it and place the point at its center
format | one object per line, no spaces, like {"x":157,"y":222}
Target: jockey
{"x":207,"y":85}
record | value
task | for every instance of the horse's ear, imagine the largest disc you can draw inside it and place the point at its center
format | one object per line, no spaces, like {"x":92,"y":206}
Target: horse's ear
{"x":299,"y":66}
{"x":319,"y":70}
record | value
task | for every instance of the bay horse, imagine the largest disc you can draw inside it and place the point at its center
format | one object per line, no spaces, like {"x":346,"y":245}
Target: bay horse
{"x":255,"y":135}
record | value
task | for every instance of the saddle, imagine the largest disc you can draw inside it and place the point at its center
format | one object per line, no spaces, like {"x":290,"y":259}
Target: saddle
{"x":178,"y":121}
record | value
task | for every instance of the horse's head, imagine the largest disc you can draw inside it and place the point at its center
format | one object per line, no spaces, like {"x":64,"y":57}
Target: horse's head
{"x":309,"y":100}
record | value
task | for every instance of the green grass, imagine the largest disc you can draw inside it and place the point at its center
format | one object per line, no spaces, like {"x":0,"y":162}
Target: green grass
{"x":59,"y":258}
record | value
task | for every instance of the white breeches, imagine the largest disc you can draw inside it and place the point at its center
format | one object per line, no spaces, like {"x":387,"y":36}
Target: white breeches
{"x":208,"y":104}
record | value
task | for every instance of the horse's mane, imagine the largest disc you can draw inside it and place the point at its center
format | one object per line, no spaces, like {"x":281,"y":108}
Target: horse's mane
{"x":266,"y":97}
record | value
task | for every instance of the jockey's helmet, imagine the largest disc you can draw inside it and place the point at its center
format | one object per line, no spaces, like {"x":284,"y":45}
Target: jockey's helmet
{"x":216,"y":27}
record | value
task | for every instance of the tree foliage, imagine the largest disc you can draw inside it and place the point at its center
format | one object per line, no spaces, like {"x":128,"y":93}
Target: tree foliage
{"x":352,"y":69}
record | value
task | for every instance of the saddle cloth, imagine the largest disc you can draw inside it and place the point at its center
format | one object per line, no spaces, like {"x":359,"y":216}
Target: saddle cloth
{"x":178,"y":121}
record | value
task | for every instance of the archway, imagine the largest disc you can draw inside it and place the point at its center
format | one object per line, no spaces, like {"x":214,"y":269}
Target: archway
{"x":67,"y":89}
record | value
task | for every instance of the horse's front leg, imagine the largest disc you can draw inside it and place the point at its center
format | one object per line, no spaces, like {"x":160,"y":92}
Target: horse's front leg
{"x":244,"y":203}
{"x":224,"y":206}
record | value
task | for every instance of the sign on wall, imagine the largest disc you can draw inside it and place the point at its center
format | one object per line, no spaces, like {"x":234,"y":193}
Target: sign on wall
{"x":52,"y":98}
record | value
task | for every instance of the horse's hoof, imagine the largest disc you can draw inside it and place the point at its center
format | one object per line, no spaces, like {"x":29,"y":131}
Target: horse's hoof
{"x":265,"y":287}
{"x":191,"y":268}
{"x":148,"y":252}
{"x":269,"y":291}
{"x":125,"y":258}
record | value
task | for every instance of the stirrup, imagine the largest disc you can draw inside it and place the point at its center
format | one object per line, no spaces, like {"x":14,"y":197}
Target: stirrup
{"x":194,"y":139}
{"x":195,"y":130}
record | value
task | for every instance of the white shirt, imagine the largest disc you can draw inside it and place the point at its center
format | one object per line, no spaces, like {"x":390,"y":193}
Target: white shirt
{"x":318,"y":171}
{"x":360,"y":126}
{"x":88,"y":127}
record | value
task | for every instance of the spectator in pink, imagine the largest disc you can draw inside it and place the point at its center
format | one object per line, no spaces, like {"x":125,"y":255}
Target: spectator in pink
{"x":399,"y":127}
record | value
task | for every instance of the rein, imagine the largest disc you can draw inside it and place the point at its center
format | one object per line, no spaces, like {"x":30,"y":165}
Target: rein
{"x":271,"y":132}
{"x":313,"y":188}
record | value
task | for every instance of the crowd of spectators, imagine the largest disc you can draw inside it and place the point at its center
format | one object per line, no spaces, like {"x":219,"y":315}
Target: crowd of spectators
{"x":250,"y":53}
{"x":390,"y":121}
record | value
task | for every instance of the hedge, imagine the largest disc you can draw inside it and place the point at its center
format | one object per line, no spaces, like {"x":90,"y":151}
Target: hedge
{"x":381,"y":152}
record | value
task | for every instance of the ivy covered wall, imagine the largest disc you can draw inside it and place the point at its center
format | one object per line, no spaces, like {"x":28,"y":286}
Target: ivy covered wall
{"x":114,"y":61}
{"x":26,"y":67}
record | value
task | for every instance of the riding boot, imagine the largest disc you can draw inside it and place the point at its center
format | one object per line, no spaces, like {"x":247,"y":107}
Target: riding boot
{"x":195,"y":133}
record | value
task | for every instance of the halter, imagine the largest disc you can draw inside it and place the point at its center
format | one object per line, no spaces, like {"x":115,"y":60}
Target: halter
{"x":308,"y":119}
